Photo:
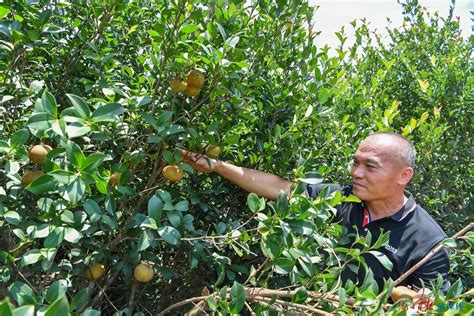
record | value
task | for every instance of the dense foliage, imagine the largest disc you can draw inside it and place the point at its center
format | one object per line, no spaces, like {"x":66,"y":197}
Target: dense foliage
{"x":92,"y":78}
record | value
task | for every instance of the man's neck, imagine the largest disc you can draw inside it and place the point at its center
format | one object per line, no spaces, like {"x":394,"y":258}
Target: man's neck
{"x":383,"y":208}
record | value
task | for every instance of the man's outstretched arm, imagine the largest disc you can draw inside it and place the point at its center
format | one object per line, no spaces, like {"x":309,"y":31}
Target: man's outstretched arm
{"x":261,"y":183}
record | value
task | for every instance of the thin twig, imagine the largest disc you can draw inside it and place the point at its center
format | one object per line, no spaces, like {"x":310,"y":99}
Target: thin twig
{"x":431,"y":253}
{"x":196,"y":309}
{"x":288,"y":304}
{"x":184,"y":302}
{"x":106,"y":286}
{"x":250,"y":309}
{"x":257,"y":271}
{"x":131,"y":301}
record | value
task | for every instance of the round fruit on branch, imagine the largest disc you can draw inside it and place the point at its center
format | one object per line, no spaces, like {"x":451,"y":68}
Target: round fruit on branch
{"x":31,"y":176}
{"x":173,"y":173}
{"x":37,"y":153}
{"x":177,"y":86}
{"x":143,"y":272}
{"x":213,"y":151}
{"x":192,"y":91}
{"x":195,"y":79}
{"x":95,"y":271}
{"x":114,"y":179}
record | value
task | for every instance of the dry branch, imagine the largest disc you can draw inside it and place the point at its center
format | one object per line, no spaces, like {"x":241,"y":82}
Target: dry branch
{"x":431,"y":253}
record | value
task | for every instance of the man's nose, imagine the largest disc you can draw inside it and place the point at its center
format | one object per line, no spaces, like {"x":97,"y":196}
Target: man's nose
{"x":357,"y":172}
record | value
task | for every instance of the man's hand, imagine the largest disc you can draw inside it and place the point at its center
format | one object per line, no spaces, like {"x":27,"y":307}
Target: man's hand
{"x":199,"y":162}
{"x":421,"y":302}
{"x":264,"y":184}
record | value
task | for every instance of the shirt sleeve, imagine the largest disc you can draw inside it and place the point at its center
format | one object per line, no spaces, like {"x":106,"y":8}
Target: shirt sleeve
{"x":313,"y":190}
{"x":428,"y":272}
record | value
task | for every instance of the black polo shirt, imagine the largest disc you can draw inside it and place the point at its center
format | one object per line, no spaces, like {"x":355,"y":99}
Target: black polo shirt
{"x":413,"y":233}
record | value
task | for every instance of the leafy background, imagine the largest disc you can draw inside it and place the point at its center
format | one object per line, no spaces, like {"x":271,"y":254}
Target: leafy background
{"x":91,"y":79}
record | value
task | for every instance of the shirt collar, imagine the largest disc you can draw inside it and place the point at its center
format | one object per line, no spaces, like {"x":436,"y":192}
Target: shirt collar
{"x":406,"y":209}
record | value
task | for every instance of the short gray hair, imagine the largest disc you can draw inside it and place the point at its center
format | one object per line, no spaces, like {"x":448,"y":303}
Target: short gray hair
{"x":406,"y":152}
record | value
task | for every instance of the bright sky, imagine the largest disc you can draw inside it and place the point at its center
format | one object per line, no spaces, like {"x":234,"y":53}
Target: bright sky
{"x":332,"y":14}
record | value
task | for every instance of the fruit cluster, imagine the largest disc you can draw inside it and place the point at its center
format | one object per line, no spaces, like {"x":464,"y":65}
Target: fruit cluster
{"x":37,"y":155}
{"x":192,"y":86}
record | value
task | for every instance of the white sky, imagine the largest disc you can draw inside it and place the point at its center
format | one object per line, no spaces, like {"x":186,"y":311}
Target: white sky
{"x":332,"y":14}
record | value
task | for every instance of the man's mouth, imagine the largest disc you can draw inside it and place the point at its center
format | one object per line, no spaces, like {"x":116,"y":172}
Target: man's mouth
{"x":357,"y":184}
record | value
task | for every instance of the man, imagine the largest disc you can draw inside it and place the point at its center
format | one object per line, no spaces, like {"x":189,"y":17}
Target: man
{"x":383,"y":166}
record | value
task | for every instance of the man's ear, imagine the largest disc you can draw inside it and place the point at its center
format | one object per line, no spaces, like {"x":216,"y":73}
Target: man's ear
{"x":405,"y":175}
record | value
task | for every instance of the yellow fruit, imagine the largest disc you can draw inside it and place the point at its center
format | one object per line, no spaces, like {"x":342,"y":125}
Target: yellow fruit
{"x":173,"y":173}
{"x":177,"y":85}
{"x":143,"y":272}
{"x":213,"y":151}
{"x":95,"y":271}
{"x":195,"y":79}
{"x":37,"y":153}
{"x":192,"y":91}
{"x":31,"y":176}
{"x":114,"y":179}
{"x":400,"y":292}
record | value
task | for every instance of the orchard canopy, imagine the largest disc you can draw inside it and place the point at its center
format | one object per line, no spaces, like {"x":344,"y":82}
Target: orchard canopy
{"x":98,"y":212}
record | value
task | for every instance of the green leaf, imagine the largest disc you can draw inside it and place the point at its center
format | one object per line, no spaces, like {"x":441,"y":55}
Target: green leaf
{"x":55,"y":238}
{"x":383,"y":259}
{"x":170,"y":234}
{"x":282,"y":204}
{"x":237,"y":296}
{"x":77,"y":129}
{"x":450,"y":243}
{"x":302,"y":226}
{"x":80,"y":106}
{"x":72,"y":235}
{"x":382,"y":240}
{"x":40,"y":121}
{"x":74,"y":154}
{"x":22,"y":293}
{"x":283,"y":265}
{"x":174,"y":218}
{"x":59,"y":127}
{"x":19,"y":138}
{"x":324,"y":95}
{"x":92,"y":162}
{"x":107,"y":113}
{"x":26,"y":310}
{"x":31,"y":257}
{"x":172,"y":129}
{"x":12,"y":217}
{"x":189,"y":28}
{"x":80,"y":299}
{"x":43,"y":184}
{"x":145,"y":240}
{"x":3,"y":12}
{"x":5,"y":308}
{"x":253,"y":202}
{"x":59,"y":307}
{"x":300,"y":296}
{"x":56,"y":290}
{"x":75,"y":190}
{"x":455,"y":290}
{"x":182,"y":206}
{"x":62,"y":176}
{"x":49,"y":104}
{"x":155,"y":206}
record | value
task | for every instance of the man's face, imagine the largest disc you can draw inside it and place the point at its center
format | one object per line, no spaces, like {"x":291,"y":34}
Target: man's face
{"x":376,"y":170}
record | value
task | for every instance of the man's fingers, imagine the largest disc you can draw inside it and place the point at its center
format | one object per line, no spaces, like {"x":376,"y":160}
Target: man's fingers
{"x":198,"y":161}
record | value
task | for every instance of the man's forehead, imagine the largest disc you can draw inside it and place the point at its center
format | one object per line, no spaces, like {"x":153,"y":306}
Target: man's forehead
{"x":376,"y":148}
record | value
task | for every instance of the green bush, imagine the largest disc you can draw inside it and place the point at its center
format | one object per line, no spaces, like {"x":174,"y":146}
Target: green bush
{"x":91,"y":79}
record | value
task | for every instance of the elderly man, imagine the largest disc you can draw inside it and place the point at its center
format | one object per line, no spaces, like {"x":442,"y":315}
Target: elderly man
{"x":382,"y":168}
